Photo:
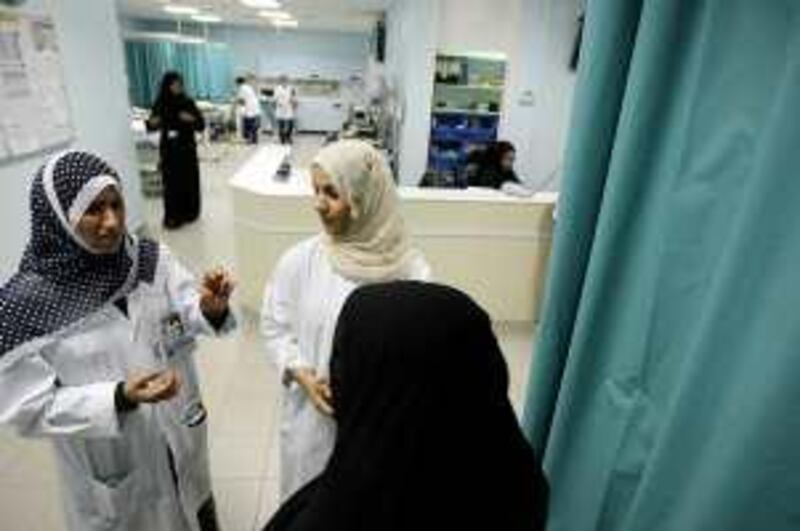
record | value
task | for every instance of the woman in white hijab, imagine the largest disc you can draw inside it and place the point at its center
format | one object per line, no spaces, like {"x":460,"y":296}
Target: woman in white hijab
{"x":364,"y":241}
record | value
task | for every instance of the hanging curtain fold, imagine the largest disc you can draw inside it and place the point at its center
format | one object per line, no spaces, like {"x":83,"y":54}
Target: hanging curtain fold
{"x":664,"y":394}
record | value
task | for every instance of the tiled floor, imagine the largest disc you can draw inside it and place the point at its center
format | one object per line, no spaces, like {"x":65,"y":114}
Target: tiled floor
{"x":240,"y":387}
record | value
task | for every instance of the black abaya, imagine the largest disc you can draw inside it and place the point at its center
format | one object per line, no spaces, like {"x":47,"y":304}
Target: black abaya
{"x":180,"y":171}
{"x":427,"y":438}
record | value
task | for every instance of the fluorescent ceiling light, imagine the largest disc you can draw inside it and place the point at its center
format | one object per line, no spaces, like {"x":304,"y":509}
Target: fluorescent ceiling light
{"x":285,"y":23}
{"x":156,"y":36}
{"x":181,"y":10}
{"x":209,"y":19}
{"x":276,"y":15}
{"x":262,"y":4}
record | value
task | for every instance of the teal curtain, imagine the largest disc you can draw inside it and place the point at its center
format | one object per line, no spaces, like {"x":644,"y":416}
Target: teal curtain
{"x":220,"y":68}
{"x":664,"y":394}
{"x":206,"y":69}
{"x":146,"y":64}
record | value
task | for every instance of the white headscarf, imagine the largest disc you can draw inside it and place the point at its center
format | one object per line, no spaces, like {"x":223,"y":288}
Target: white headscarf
{"x":376,"y":246}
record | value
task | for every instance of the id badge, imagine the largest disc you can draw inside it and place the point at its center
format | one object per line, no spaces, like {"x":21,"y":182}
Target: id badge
{"x":173,"y":334}
{"x":194,"y":414}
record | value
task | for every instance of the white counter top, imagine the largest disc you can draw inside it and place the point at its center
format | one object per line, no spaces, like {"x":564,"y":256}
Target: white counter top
{"x":492,"y":246}
{"x":257,"y":176}
{"x":482,"y":195}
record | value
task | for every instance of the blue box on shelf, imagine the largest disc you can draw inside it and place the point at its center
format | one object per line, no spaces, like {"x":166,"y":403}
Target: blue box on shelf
{"x":481,"y":135}
{"x":458,"y":134}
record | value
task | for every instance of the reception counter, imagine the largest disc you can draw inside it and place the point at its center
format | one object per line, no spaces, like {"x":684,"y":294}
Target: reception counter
{"x":490,"y":245}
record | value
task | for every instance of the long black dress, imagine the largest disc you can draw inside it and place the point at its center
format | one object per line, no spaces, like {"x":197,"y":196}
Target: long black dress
{"x":180,"y":170}
{"x":426,"y":436}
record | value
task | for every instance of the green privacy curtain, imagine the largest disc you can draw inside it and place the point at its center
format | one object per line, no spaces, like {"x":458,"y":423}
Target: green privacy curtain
{"x":665,"y":394}
{"x":206,"y":69}
{"x":220,"y":72}
{"x":146,"y":63}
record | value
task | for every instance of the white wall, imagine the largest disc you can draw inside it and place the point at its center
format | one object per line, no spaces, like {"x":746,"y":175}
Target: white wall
{"x":546,"y":37}
{"x":478,"y":25}
{"x":270,"y":52}
{"x":297,"y":53}
{"x":94,"y":74}
{"x":412,"y":28}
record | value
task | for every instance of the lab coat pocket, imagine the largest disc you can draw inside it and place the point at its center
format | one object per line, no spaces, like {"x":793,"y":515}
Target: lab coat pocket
{"x":116,"y":499}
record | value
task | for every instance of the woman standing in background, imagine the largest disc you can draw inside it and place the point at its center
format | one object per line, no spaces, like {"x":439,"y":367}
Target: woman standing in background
{"x":364,"y":242}
{"x":176,"y":116}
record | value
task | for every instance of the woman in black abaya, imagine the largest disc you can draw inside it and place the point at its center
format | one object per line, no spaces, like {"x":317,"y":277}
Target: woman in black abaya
{"x":427,"y":438}
{"x":176,"y":116}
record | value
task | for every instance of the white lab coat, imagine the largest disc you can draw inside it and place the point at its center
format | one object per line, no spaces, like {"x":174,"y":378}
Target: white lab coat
{"x":250,"y":105}
{"x":284,"y":102}
{"x":115,"y":467}
{"x":298,"y":321}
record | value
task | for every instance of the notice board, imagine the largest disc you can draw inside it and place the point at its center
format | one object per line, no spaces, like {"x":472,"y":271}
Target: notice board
{"x":34,"y":109}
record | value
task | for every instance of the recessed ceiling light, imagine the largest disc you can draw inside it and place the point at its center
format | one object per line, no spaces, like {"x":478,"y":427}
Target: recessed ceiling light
{"x":208,"y":19}
{"x":262,"y":4}
{"x":275,"y":15}
{"x":285,"y":23}
{"x":181,"y":10}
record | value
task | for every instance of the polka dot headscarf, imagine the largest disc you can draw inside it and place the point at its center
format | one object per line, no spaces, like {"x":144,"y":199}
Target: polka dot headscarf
{"x":60,"y":280}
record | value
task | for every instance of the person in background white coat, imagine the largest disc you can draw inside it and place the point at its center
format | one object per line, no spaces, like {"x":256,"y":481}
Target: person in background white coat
{"x":364,"y":241}
{"x":247,"y":98}
{"x":285,"y":106}
{"x":97,"y":330}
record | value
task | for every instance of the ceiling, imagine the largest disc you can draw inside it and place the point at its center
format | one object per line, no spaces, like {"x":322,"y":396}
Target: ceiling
{"x":338,"y":15}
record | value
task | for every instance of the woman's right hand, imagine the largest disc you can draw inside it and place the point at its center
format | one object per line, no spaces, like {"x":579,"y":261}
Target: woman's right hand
{"x":317,"y":389}
{"x":152,"y":388}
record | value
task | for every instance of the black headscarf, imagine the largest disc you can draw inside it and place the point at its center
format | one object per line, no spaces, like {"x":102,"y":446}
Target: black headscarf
{"x":59,"y":280}
{"x":165,"y":94}
{"x":488,"y":169}
{"x":427,"y":438}
{"x":168,"y":105}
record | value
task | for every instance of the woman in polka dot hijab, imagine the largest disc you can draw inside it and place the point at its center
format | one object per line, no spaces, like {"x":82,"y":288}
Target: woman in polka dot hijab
{"x":98,"y":332}
{"x":60,"y":279}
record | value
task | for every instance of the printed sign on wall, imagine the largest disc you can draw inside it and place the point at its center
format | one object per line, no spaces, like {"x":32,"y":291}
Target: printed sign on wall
{"x":34,"y":110}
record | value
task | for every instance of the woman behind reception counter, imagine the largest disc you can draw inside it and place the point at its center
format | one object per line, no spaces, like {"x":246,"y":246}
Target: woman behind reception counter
{"x":493,"y":167}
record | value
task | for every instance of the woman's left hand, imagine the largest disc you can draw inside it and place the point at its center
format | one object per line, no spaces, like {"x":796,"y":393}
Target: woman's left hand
{"x":215,"y":293}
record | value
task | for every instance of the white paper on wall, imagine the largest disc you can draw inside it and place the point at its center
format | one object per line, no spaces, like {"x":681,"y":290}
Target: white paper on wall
{"x":34,"y":110}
